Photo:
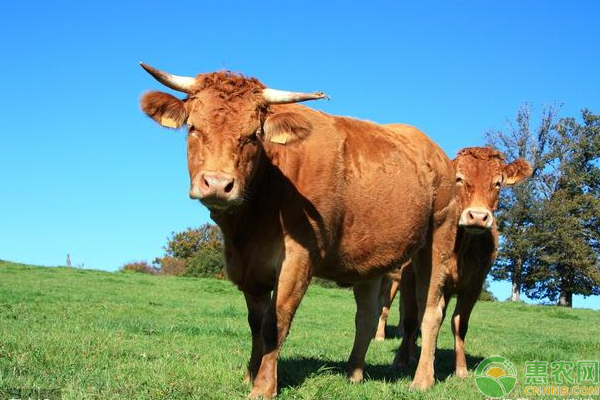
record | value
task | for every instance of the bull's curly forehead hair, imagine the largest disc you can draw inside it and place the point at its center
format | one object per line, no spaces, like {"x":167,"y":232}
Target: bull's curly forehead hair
{"x":228,"y":84}
{"x":481,"y":153}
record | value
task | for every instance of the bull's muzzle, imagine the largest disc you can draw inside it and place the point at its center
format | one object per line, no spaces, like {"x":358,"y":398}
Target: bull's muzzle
{"x":476,"y":219}
{"x":215,"y":190}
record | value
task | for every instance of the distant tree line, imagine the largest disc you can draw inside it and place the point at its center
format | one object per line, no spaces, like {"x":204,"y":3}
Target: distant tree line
{"x":549,"y":225}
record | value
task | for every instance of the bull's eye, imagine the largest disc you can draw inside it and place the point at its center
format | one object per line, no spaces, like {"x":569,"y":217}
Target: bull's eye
{"x":459,"y":180}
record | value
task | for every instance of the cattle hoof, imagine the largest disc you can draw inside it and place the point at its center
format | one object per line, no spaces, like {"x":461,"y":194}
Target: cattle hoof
{"x":421,"y":385}
{"x":379,"y":338}
{"x":355,"y":375}
{"x":462,"y":373}
{"x":259,"y":394}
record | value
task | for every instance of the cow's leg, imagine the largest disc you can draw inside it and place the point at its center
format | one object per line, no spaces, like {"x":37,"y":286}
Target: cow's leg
{"x":368,"y":306}
{"x":409,"y":319}
{"x":430,"y":272}
{"x":257,"y":306}
{"x":460,"y":324}
{"x":387,"y":293}
{"x":292,"y":282}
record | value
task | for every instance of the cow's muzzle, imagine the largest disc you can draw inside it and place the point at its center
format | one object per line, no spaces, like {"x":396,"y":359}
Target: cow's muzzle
{"x":476,"y":219}
{"x":215,"y":191}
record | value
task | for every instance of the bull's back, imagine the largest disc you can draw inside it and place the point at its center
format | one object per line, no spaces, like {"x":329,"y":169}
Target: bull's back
{"x":385,"y":179}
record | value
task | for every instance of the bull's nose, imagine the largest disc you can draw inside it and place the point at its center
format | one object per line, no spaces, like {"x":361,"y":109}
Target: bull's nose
{"x":476,"y":218}
{"x":213,"y":185}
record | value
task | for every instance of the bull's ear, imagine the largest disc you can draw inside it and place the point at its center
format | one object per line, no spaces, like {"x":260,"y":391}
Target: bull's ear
{"x":286,"y":127}
{"x":165,"y":109}
{"x":517,"y":171}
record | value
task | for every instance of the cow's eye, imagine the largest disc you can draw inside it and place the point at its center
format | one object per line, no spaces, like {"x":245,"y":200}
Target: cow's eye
{"x":497,"y":185}
{"x":459,"y":180}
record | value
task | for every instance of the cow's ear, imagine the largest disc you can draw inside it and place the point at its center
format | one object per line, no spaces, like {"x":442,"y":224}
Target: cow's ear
{"x":165,"y":109}
{"x":517,"y":171}
{"x":286,"y":127}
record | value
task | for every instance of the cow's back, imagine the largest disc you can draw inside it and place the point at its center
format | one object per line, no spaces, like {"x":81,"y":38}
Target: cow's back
{"x":373,"y":190}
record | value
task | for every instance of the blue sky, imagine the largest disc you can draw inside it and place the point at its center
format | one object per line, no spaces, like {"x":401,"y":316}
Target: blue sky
{"x":83,"y":171}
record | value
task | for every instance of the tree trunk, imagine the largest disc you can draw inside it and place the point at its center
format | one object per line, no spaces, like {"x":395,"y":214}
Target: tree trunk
{"x":566,"y":298}
{"x":515,"y":294}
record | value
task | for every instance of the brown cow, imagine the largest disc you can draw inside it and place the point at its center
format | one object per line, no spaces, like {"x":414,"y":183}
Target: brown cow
{"x":480,"y":173}
{"x":299,"y":193}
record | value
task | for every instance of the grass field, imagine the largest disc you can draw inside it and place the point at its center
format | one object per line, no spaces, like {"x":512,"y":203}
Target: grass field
{"x":100,"y":335}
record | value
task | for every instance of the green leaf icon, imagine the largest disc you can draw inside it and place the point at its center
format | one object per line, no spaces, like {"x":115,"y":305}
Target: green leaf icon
{"x":489,"y":386}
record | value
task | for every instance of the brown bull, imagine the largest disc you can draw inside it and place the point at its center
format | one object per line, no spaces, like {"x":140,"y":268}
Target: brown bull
{"x":298,"y":193}
{"x":480,"y":173}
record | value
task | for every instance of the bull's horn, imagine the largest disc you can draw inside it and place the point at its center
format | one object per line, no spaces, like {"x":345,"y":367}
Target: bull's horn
{"x":274,"y":96}
{"x":175,"y":82}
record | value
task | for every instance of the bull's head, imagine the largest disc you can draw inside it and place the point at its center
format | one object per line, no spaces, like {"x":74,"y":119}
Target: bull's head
{"x":480,"y":174}
{"x":228,"y":118}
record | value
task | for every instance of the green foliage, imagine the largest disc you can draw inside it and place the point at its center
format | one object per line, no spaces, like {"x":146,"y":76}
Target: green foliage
{"x":326,"y":283}
{"x":185,"y":245}
{"x":519,"y":140}
{"x":195,"y":252}
{"x":206,"y":263}
{"x":138,"y":266}
{"x":100,"y":335}
{"x":550,"y":229}
{"x":486,"y":294}
{"x":567,"y":233}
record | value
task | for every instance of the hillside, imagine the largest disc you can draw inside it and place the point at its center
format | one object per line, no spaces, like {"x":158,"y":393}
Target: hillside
{"x":122,"y":336}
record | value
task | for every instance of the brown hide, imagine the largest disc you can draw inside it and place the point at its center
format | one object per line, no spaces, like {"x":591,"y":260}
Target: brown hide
{"x":480,"y":173}
{"x":312,"y":195}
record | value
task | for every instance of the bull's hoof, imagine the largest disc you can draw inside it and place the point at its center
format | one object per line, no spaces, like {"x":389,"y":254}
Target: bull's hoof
{"x":264,"y":391}
{"x":461,"y":373}
{"x":421,"y":384}
{"x":260,"y":394}
{"x":379,"y":338}
{"x":355,"y":375}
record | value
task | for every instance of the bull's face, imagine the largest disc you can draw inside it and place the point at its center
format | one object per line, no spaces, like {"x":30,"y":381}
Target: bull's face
{"x":223,"y":149}
{"x":225,"y":115}
{"x":480,"y":174}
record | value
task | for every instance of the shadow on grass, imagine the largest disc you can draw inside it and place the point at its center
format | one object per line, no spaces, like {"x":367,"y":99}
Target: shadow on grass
{"x":294,"y":371}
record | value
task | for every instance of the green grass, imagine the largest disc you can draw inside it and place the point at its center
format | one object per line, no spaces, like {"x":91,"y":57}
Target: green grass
{"x":99,"y":335}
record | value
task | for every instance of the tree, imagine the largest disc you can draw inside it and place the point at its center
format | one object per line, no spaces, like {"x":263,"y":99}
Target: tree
{"x":515,"y":220}
{"x":566,"y":236}
{"x":194,"y":252}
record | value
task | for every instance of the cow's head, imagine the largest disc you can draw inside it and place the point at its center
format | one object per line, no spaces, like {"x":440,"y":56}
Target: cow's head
{"x":228,"y":118}
{"x":480,"y":173}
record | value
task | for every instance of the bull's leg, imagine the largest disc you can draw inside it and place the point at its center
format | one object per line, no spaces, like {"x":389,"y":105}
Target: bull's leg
{"x":257,"y":306}
{"x":430,"y":274}
{"x":460,"y":324}
{"x":387,"y":293}
{"x":368,"y":306}
{"x":291,"y":285}
{"x":409,"y":319}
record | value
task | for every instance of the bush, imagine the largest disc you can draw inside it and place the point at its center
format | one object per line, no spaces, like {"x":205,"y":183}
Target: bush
{"x":486,"y":294}
{"x":185,"y":245}
{"x":196,"y":252}
{"x":208,"y":262}
{"x":138,"y":266}
{"x":170,"y":265}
